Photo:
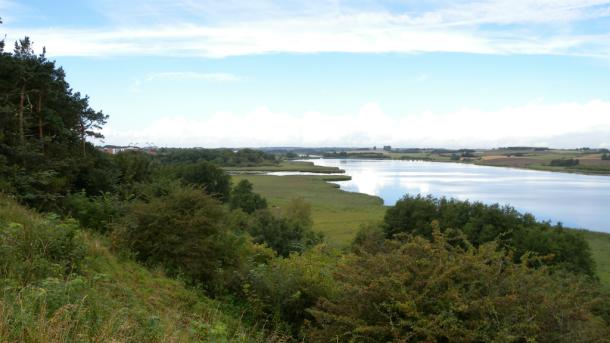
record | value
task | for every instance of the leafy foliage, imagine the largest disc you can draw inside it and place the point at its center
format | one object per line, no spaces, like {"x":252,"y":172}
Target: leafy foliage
{"x":221,"y":157}
{"x":287,"y":233}
{"x":242,"y":197}
{"x":181,"y":231}
{"x":482,"y":223}
{"x":44,"y":127}
{"x":207,"y":176}
{"x":282,"y":290}
{"x":134,"y":167}
{"x":430,"y":290}
{"x":95,"y":212}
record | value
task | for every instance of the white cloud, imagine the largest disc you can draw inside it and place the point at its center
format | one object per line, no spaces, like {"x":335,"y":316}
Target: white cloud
{"x":557,"y":125}
{"x":185,"y":76}
{"x":220,"y":29}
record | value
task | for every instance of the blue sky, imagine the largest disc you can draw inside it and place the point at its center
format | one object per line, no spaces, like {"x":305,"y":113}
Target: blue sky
{"x":333,"y":73}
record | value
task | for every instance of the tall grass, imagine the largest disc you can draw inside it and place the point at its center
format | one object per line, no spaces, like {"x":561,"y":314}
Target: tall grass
{"x":61,"y":284}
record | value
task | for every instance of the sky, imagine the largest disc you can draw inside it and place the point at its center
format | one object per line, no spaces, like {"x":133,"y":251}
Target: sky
{"x":406,"y":73}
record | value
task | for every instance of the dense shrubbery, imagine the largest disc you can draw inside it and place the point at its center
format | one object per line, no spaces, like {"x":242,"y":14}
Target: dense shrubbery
{"x":242,"y":197}
{"x":207,"y":176}
{"x":93,"y":212}
{"x":481,"y":223}
{"x":417,"y":289}
{"x":182,"y":232}
{"x":282,"y":290}
{"x":289,"y":232}
{"x":134,"y":167}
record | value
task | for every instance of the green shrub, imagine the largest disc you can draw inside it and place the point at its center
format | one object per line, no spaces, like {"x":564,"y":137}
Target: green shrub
{"x":208,"y":176}
{"x":420,"y":290}
{"x":282,"y":290}
{"x":242,"y":197}
{"x":183,"y":232}
{"x":289,"y":232}
{"x":93,"y":212}
{"x":134,"y":166}
{"x":482,"y":223}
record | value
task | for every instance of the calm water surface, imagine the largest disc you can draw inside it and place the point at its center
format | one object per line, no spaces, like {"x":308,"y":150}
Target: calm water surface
{"x":580,"y":201}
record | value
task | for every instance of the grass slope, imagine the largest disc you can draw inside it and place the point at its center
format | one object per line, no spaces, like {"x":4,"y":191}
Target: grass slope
{"x":336,"y":213}
{"x":600,"y":247}
{"x":109,"y":299}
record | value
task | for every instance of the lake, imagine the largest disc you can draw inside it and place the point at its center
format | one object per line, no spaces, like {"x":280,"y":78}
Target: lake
{"x":579,"y":201}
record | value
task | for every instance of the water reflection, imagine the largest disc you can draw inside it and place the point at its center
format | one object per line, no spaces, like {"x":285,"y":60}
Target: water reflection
{"x":575,"y":200}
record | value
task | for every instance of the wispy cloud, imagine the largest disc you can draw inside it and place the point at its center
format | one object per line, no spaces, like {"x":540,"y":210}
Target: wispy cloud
{"x":185,"y":76}
{"x":547,"y":124}
{"x":229,"y":28}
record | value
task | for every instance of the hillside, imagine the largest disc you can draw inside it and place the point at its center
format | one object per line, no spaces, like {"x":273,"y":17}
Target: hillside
{"x":68,"y":286}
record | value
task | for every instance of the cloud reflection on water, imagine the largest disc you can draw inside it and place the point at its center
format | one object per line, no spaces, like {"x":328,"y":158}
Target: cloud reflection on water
{"x":575,"y":200}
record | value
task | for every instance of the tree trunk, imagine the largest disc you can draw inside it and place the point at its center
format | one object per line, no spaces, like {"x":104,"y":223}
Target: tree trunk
{"x":39,"y":110}
{"x":20,"y":115}
{"x":82,"y":137}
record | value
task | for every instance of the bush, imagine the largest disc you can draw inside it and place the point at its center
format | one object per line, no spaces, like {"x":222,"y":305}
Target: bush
{"x":282,"y":290}
{"x":95,"y":212}
{"x":134,"y":166}
{"x":183,"y":232}
{"x":244,"y":198}
{"x":481,"y":223}
{"x":287,"y":233}
{"x":605,"y":157}
{"x":421,"y":290}
{"x":207,"y":176}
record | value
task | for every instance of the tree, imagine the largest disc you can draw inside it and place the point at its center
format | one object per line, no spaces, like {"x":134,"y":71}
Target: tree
{"x":420,"y":290}
{"x":244,"y":198}
{"x":207,"y":176}
{"x":133,"y":166}
{"x":290,"y":232}
{"x":183,"y":232}
{"x":481,"y":223}
{"x":605,"y":157}
{"x":44,"y":126}
{"x":1,"y":41}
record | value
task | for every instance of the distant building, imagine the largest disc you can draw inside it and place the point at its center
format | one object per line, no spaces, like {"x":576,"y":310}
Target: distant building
{"x":115,"y":149}
{"x":387,"y":147}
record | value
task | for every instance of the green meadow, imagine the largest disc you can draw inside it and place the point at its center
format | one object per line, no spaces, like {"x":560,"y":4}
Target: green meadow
{"x":336,"y":213}
{"x":287,"y":166}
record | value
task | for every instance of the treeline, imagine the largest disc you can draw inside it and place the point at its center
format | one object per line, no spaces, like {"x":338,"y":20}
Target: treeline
{"x":221,"y":157}
{"x":565,"y":162}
